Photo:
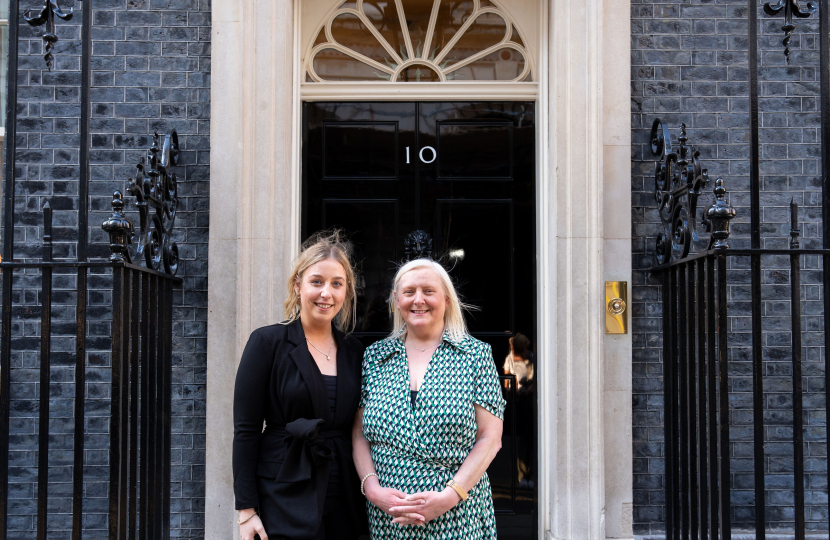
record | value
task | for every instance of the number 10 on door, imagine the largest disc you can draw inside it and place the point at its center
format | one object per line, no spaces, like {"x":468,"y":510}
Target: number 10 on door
{"x":421,"y":154}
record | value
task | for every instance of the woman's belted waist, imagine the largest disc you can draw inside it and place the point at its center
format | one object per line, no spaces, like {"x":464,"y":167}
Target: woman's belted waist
{"x":281,"y":431}
{"x":305,"y":447}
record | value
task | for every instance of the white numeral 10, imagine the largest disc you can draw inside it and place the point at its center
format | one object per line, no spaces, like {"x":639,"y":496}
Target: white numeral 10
{"x":421,"y":154}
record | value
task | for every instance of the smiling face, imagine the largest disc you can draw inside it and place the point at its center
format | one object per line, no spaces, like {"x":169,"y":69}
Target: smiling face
{"x":322,"y":291}
{"x":422,"y":301}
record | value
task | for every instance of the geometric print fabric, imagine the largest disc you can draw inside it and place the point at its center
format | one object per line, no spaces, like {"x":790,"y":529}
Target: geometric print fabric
{"x":419,"y":448}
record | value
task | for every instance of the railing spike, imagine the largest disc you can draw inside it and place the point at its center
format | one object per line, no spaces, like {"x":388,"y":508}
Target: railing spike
{"x":47,"y":232}
{"x":794,"y":231}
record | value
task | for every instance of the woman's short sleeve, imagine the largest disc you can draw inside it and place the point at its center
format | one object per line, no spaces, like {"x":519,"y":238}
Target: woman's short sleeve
{"x":366,"y":378}
{"x":487,"y":387}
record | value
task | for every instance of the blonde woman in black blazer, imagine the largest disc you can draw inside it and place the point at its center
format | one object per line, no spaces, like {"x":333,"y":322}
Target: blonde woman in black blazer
{"x":295,"y":478}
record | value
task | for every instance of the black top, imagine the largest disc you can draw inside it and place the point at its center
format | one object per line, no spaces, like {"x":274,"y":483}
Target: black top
{"x":413,"y":395}
{"x":331,"y":390}
{"x":333,"y":491}
{"x":278,"y":383}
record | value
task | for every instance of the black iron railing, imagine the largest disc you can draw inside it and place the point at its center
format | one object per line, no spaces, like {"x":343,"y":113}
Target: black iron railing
{"x":696,"y":334}
{"x":139,"y":320}
{"x":697,"y":267}
{"x":139,"y":439}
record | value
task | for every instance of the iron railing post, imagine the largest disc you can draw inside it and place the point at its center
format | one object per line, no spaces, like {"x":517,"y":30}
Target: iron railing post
{"x":723,"y":402}
{"x":45,"y":372}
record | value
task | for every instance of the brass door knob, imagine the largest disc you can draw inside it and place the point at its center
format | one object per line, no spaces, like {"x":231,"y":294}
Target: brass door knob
{"x":616,"y":306}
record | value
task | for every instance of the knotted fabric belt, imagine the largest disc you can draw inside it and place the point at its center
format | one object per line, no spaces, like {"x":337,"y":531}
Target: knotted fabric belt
{"x":303,"y":477}
{"x":305,"y":447}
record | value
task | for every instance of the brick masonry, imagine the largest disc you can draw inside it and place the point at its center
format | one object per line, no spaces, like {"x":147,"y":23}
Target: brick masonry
{"x":689,"y":64}
{"x":150,"y":71}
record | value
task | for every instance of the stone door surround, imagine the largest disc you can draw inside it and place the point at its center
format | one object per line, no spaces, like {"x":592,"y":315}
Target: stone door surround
{"x":583,"y":192}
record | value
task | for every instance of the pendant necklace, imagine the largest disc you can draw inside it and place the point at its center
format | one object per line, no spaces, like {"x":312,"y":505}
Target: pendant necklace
{"x":326,"y":354}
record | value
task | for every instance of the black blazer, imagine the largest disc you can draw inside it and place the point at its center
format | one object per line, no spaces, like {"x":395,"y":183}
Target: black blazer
{"x":285,"y":467}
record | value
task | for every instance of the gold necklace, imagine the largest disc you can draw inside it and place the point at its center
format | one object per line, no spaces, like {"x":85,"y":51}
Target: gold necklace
{"x":326,"y":354}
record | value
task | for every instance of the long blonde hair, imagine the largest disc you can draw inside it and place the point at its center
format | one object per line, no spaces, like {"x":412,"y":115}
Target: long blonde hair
{"x":454,"y":323}
{"x":321,"y":246}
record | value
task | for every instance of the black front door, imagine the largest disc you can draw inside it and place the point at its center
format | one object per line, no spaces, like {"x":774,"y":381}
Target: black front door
{"x":397,"y":176}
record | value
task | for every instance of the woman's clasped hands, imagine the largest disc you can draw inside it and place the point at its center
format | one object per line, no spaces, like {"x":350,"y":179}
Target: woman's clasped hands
{"x":421,"y":508}
{"x":395,"y":503}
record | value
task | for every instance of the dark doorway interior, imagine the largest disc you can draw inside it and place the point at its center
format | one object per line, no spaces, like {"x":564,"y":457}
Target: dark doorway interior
{"x":463,"y":173}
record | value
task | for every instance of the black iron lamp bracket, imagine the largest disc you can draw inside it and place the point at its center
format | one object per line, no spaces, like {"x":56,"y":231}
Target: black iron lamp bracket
{"x":679,"y":181}
{"x":791,"y":9}
{"x":155,"y":189}
{"x":46,"y":18}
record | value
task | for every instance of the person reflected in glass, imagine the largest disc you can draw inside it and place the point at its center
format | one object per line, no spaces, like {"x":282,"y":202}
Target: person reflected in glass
{"x":430,"y":417}
{"x":519,"y":363}
{"x":295,"y":478}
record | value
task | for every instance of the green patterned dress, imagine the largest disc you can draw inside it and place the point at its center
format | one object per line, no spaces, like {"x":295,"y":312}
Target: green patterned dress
{"x":419,"y":449}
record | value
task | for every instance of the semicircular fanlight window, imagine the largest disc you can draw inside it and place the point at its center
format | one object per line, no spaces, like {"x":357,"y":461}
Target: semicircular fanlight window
{"x":418,"y":41}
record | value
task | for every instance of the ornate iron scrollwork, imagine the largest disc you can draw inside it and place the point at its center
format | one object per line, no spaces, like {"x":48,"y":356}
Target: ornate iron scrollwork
{"x":679,"y":181}
{"x":47,"y":17}
{"x":156,"y":192}
{"x":790,"y":8}
{"x":417,"y":245}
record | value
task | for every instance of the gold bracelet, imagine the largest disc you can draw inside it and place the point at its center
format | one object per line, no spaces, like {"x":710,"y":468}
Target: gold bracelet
{"x":458,"y":489}
{"x":363,"y":481}
{"x":241,"y":521}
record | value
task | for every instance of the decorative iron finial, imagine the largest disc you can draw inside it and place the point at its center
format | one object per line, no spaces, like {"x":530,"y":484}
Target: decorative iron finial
{"x":794,"y":231}
{"x":717,"y":217}
{"x":47,"y":17}
{"x":157,"y":200}
{"x":790,"y":8}
{"x":679,"y":180}
{"x":121,"y":230}
{"x":47,"y":232}
{"x":417,"y":245}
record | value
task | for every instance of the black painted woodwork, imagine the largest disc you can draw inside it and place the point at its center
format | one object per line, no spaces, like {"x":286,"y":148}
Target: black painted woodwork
{"x":476,"y":193}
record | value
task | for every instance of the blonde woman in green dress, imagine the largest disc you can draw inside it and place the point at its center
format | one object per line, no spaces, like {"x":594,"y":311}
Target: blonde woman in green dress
{"x":430,"y":417}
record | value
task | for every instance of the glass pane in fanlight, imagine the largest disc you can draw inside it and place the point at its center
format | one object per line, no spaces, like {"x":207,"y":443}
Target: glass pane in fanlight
{"x":384,"y":16}
{"x":348,"y":30}
{"x":501,"y":65}
{"x":4,"y":9}
{"x":350,"y":5}
{"x":451,"y":17}
{"x":418,"y":73}
{"x":516,"y":38}
{"x":321,"y":38}
{"x":332,"y":65}
{"x":487,"y":30}
{"x":418,"y":13}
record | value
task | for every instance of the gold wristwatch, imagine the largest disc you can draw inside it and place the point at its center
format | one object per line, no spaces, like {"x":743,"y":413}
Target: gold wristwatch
{"x":458,"y":489}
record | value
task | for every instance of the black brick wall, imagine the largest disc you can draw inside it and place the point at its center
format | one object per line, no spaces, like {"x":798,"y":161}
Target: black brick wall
{"x":689,"y":64}
{"x":150,"y":71}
